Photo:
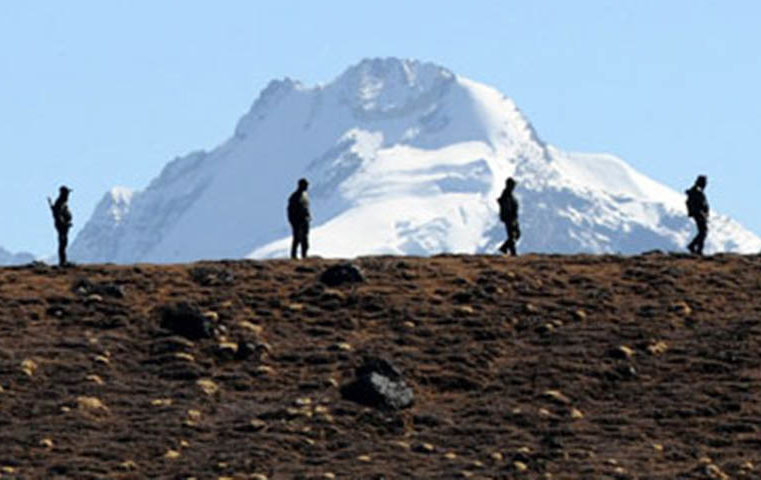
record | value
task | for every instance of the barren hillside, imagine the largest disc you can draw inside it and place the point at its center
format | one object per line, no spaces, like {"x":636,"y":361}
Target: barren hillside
{"x":558,"y":367}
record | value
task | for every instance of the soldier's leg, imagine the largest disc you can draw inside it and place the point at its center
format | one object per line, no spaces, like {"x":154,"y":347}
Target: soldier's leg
{"x":702,"y":233}
{"x":691,"y":246}
{"x":63,"y":240}
{"x":506,"y":244}
{"x":294,"y":240}
{"x":511,"y":240}
{"x":304,"y":240}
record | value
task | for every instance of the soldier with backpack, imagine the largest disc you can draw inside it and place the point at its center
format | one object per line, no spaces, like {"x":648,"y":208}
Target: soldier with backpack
{"x":697,"y":208}
{"x":299,"y":217}
{"x":62,"y":219}
{"x":508,"y":213}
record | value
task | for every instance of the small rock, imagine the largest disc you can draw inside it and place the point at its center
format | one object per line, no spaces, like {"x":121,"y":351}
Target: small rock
{"x":258,"y":476}
{"x":450,"y":456}
{"x":251,"y":327}
{"x":579,"y":315}
{"x":102,"y":359}
{"x":657,"y":348}
{"x":497,"y":456}
{"x":29,"y":366}
{"x":94,"y":298}
{"x":342,"y":274}
{"x":95,"y":379}
{"x":364,"y":458}
{"x":208,"y":387}
{"x":378,"y":384}
{"x":682,"y":309}
{"x":622,"y":352}
{"x":424,"y":448}
{"x":520,"y":466}
{"x":128,"y":465}
{"x":172,"y":454}
{"x":91,"y":403}
{"x":576,"y":414}
{"x":46,"y":443}
{"x":161,"y":402}
{"x":557,"y":397}
{"x":184,"y":357}
{"x":264,"y":370}
{"x":211,"y":316}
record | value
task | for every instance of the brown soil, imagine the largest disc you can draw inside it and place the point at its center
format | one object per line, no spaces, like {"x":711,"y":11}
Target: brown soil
{"x":644,"y":367}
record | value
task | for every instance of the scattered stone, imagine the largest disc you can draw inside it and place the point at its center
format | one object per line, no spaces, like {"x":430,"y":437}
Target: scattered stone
{"x":579,"y":315}
{"x":450,"y":456}
{"x":497,"y":456}
{"x":622,"y":352}
{"x":520,"y":466}
{"x":378,"y":384}
{"x":29,"y":366}
{"x":208,"y":387}
{"x":187,"y":321}
{"x":682,"y":309}
{"x":161,"y":402}
{"x":557,"y":397}
{"x":103,"y":359}
{"x":364,"y":458}
{"x":251,"y":327}
{"x":172,"y":454}
{"x":186,"y":357}
{"x":211,"y":316}
{"x":252,"y":426}
{"x":464,"y":310}
{"x":342,"y":274}
{"x":96,"y":291}
{"x":91,"y":403}
{"x":657,"y":348}
{"x":226,"y":351}
{"x":259,"y":476}
{"x":95,"y":379}
{"x":46,"y":443}
{"x":128,"y":466}
{"x":424,"y":448}
{"x":576,"y":414}
{"x":212,"y":277}
{"x":264,"y":370}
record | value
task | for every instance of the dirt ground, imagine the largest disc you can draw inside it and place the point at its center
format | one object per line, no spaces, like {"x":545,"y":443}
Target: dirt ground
{"x":588,"y":367}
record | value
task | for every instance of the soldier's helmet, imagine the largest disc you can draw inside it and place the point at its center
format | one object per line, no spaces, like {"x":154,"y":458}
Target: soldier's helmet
{"x":64,"y":189}
{"x":701,"y":181}
{"x":303,"y":184}
{"x":510,"y":183}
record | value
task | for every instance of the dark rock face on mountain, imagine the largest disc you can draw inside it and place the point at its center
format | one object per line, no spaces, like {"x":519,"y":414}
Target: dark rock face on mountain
{"x":531,"y":367}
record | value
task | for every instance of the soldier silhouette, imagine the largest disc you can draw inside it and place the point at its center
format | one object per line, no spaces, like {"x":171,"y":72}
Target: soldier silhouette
{"x":508,"y":213}
{"x":697,"y":208}
{"x":62,"y":219}
{"x":299,"y":217}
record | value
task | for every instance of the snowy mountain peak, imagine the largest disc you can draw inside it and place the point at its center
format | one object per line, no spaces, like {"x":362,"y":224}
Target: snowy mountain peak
{"x":403,"y":157}
{"x":388,"y":85}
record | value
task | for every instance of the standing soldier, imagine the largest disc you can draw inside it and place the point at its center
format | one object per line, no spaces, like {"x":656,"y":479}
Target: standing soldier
{"x":508,"y":213}
{"x":299,"y":217}
{"x":697,"y":208}
{"x":62,"y":218}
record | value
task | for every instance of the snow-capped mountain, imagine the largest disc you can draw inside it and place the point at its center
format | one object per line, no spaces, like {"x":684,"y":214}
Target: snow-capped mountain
{"x":8,"y":258}
{"x":403,"y":157}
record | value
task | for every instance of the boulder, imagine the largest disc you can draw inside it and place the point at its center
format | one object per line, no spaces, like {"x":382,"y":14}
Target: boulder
{"x":86,"y":288}
{"x":187,"y":321}
{"x":380,"y":385}
{"x":341,"y":274}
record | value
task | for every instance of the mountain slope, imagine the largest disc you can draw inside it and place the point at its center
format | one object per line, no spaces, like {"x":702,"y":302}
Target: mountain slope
{"x":9,"y":258}
{"x":403,"y":157}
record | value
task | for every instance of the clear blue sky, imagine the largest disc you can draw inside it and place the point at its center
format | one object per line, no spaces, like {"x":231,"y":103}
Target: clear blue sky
{"x":101,"y":93}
